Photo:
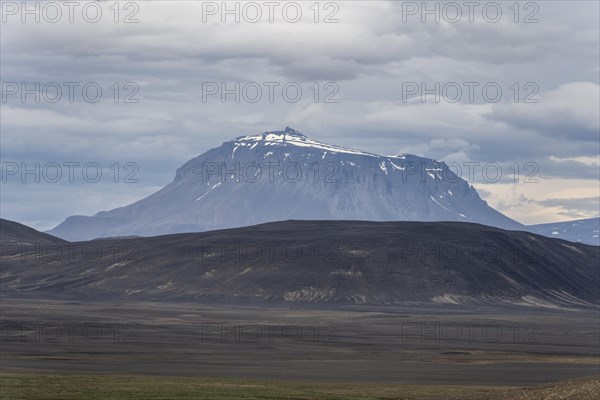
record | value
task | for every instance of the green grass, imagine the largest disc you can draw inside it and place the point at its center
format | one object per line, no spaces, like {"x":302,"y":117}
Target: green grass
{"x":92,"y":387}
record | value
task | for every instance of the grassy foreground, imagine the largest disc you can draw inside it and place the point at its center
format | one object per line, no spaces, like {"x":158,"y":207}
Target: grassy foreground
{"x":92,"y":387}
{"x":68,"y":387}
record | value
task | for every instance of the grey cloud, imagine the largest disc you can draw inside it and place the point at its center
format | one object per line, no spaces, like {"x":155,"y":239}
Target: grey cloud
{"x":570,"y":112}
{"x":369,"y":54}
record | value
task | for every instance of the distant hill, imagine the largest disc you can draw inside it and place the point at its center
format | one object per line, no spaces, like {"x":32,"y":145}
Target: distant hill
{"x":583,"y":230}
{"x":332,"y":262}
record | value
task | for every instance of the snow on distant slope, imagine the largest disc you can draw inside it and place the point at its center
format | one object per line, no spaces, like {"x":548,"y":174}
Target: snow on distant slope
{"x":583,"y":230}
{"x":294,"y":138}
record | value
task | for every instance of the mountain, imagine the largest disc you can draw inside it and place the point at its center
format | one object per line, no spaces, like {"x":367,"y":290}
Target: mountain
{"x":583,"y":230}
{"x":284,"y":175}
{"x":333,"y":262}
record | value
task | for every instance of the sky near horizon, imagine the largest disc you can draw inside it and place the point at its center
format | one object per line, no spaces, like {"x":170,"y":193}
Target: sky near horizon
{"x":514,"y":85}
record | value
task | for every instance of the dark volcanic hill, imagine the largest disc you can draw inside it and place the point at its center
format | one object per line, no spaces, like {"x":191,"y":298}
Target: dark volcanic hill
{"x":318,"y":262}
{"x":15,"y":233}
{"x":276,"y":176}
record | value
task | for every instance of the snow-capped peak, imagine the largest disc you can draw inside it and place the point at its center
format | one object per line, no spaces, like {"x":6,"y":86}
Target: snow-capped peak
{"x":293,"y":132}
{"x":293,"y":137}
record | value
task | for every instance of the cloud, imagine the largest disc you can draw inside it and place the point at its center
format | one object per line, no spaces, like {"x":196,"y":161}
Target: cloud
{"x":575,"y":206}
{"x":569,"y":112}
{"x":369,"y":54}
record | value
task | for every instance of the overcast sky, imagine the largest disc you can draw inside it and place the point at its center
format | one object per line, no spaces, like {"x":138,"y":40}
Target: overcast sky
{"x":371,"y":61}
